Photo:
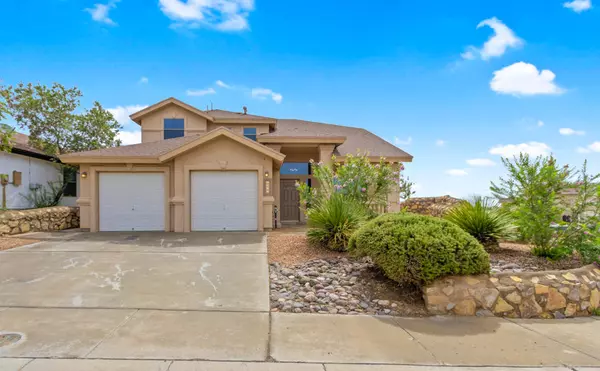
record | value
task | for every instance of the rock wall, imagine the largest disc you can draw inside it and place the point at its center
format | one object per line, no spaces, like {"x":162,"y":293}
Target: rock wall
{"x":46,"y":219}
{"x":434,"y":206}
{"x":551,"y":294}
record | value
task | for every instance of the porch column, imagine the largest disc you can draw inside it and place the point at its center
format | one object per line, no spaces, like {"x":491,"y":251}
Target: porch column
{"x":325,"y":153}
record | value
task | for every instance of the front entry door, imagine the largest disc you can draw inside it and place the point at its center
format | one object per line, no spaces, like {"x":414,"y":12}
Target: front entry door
{"x":290,"y":201}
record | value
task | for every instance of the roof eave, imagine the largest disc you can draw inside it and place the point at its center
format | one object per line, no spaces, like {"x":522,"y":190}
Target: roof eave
{"x":66,"y":159}
{"x":302,"y":140}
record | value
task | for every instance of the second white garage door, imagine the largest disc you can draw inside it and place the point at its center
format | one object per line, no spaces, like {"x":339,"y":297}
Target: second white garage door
{"x":224,"y":200}
{"x":132,"y":201}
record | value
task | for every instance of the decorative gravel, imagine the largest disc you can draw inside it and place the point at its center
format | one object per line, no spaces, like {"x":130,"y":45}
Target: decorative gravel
{"x":12,"y":242}
{"x":340,"y":286}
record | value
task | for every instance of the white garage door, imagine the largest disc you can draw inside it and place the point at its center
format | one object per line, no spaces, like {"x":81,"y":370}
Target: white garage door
{"x":224,"y":200}
{"x":132,"y":202}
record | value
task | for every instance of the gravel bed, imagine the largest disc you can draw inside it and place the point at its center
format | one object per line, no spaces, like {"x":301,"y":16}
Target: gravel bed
{"x":517,"y":258}
{"x":12,"y":242}
{"x":340,"y":286}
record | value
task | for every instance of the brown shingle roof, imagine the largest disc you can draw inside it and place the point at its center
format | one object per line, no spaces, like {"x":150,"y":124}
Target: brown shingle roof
{"x":222,"y":114}
{"x":148,"y":149}
{"x":356,"y":138}
{"x":21,"y":144}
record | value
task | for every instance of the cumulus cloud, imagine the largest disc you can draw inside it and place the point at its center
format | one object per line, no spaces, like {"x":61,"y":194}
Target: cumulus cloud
{"x":130,"y":137}
{"x":200,"y":92}
{"x":440,"y":142}
{"x":100,"y":12}
{"x":482,"y":162}
{"x":531,"y":148}
{"x":594,"y":147}
{"x":223,"y":15}
{"x":540,"y":123}
{"x":121,"y":113}
{"x":578,"y":6}
{"x":457,"y":172}
{"x":262,"y":93}
{"x":569,"y":131}
{"x":524,"y":79}
{"x":143,"y":80}
{"x":502,"y":39}
{"x":403,"y":142}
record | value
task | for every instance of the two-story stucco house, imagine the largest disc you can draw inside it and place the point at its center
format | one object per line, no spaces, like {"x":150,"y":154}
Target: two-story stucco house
{"x":211,"y":170}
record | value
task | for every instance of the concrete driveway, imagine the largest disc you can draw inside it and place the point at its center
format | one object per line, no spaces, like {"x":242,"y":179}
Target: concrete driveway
{"x":207,"y":271}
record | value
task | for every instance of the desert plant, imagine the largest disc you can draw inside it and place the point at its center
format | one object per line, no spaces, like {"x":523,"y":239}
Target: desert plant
{"x":332,"y":221}
{"x":419,"y":249}
{"x":45,"y":196}
{"x":483,"y":219}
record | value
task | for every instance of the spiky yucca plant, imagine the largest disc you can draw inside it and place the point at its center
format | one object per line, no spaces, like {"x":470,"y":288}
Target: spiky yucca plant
{"x":483,"y":219}
{"x":332,"y":221}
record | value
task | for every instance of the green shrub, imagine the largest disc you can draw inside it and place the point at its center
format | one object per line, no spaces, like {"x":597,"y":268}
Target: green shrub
{"x":483,"y":219}
{"x":332,"y":221}
{"x":419,"y":249}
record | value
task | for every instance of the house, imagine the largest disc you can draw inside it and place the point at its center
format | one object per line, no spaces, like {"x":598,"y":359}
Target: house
{"x":211,"y":170}
{"x":29,"y":168}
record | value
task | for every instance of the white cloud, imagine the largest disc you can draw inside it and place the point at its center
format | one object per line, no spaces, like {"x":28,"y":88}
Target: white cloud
{"x":594,"y":147}
{"x":121,"y":113}
{"x":130,"y":137}
{"x":540,"y":123}
{"x":578,"y":6}
{"x":483,"y":162}
{"x":262,"y":93}
{"x":531,"y":148}
{"x":223,"y":15}
{"x":143,"y":80}
{"x":100,"y":12}
{"x":524,"y":79}
{"x":223,"y":85}
{"x":457,"y":172}
{"x":200,"y":93}
{"x":440,"y":142}
{"x":502,"y":39}
{"x":403,"y":142}
{"x":569,"y":131}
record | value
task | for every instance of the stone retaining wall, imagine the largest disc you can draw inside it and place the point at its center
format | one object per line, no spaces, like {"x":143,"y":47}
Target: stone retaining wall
{"x":46,"y":219}
{"x":434,"y":206}
{"x":550,"y":294}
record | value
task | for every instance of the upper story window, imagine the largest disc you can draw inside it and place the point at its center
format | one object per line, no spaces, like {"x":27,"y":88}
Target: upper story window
{"x":295,"y":168}
{"x":250,"y":133}
{"x":174,"y":128}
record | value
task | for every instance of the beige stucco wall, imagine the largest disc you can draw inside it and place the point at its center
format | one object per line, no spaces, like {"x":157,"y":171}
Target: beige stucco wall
{"x":153,"y":123}
{"x":220,"y":154}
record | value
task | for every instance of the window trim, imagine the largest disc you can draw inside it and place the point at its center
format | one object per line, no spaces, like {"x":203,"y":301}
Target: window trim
{"x":165,"y":130}
{"x":250,"y":136}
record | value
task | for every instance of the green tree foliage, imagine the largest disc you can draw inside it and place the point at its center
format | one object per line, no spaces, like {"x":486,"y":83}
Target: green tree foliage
{"x":483,"y":219}
{"x":6,"y":132}
{"x":50,"y":115}
{"x":419,"y":249}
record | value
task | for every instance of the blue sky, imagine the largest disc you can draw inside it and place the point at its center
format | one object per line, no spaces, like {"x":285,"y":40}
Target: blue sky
{"x":456,"y":84}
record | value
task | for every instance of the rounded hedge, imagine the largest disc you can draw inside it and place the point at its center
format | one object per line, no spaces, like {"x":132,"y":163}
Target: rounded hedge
{"x":419,"y":249}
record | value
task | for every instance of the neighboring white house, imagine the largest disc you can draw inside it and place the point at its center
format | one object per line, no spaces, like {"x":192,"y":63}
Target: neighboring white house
{"x":36,"y":168}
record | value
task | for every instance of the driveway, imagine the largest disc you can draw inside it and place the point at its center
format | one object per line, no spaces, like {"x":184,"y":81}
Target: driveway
{"x":208,"y":271}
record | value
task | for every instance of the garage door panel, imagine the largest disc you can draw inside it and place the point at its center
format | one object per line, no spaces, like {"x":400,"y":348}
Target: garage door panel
{"x":132,"y":202}
{"x":224,"y":200}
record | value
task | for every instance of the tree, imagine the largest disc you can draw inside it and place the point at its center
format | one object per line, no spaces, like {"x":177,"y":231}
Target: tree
{"x":49,"y":114}
{"x":6,"y":132}
{"x":533,"y":187}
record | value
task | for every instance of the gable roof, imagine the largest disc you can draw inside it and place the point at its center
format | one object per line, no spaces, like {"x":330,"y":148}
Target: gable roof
{"x":136,"y":117}
{"x":357,"y":139}
{"x":163,"y":150}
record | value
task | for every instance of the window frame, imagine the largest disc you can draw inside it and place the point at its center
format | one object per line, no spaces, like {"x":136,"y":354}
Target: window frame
{"x":69,"y":181}
{"x":170,"y":133}
{"x":250,"y":136}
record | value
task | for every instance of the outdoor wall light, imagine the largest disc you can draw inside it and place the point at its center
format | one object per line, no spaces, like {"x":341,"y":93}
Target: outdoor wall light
{"x":84,"y":175}
{"x":266,"y":174}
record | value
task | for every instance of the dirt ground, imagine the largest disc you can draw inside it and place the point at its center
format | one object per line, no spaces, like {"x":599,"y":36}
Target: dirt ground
{"x":12,"y":242}
{"x":520,"y":254}
{"x":291,"y":248}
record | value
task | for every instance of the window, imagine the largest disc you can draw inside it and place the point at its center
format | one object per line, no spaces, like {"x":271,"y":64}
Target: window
{"x":174,"y":128}
{"x":250,"y":133}
{"x":70,"y":181}
{"x":295,"y":168}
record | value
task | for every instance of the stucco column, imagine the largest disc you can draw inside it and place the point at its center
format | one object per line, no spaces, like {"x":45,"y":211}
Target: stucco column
{"x":178,"y":197}
{"x":84,"y":199}
{"x":325,"y":153}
